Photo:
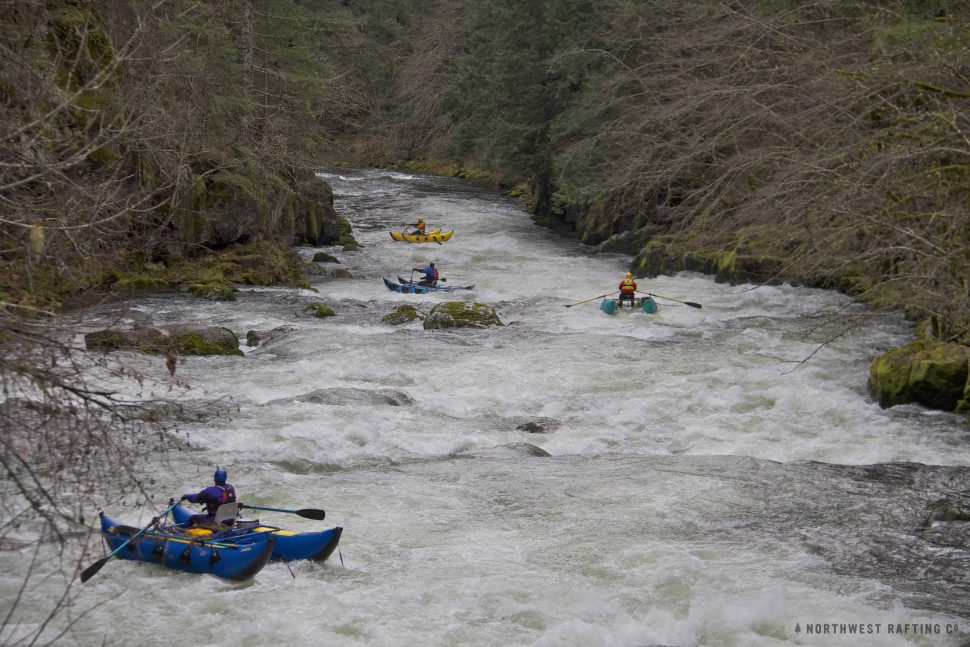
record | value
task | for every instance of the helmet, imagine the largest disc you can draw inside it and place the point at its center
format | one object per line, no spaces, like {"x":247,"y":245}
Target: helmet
{"x":431,"y":264}
{"x":220,"y":476}
{"x":629,"y":275}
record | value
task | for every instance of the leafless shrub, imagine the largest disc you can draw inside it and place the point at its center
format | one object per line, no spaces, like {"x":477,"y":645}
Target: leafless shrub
{"x":831,"y":135}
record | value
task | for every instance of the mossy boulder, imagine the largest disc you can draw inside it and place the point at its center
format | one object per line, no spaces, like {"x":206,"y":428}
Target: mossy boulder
{"x":249,"y":202}
{"x":926,"y":372}
{"x":324,"y":257}
{"x":262,"y":263}
{"x":178,"y":339}
{"x":314,"y":220}
{"x":347,"y":237}
{"x":232,"y":205}
{"x":403,"y":314}
{"x":319,"y":310}
{"x":213,"y":291}
{"x":459,"y":314}
{"x":663,"y":256}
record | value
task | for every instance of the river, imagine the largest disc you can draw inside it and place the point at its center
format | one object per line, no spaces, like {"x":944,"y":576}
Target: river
{"x":705,"y":485}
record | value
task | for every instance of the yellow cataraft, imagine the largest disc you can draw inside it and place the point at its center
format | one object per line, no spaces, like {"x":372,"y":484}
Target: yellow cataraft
{"x":431,"y":237}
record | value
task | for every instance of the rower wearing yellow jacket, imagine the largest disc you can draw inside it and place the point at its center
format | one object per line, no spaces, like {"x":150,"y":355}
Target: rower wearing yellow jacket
{"x":628,"y":290}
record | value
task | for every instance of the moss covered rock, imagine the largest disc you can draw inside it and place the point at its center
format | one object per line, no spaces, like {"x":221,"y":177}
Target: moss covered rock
{"x":324,"y":257}
{"x":262,"y":263}
{"x":926,"y":372}
{"x":314,"y":220}
{"x":403,"y":314}
{"x":663,"y":256}
{"x":347,"y":237}
{"x":258,"y":263}
{"x":178,"y":339}
{"x":213,"y":291}
{"x":233,"y":207}
{"x":459,"y":314}
{"x":319,"y":310}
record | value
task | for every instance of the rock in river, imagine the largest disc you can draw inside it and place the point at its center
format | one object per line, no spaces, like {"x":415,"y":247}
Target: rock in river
{"x":179,"y":339}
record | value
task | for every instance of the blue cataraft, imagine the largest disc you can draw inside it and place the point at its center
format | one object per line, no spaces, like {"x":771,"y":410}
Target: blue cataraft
{"x":407,"y":287}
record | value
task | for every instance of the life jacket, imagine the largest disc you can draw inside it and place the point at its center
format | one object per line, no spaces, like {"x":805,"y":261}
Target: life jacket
{"x":435,"y":274}
{"x":420,"y":226}
{"x":228,"y":493}
{"x":223,"y":494}
{"x":628,"y":286}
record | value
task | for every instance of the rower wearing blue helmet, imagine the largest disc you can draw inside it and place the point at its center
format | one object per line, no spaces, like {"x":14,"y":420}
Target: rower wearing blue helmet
{"x":211,"y":497}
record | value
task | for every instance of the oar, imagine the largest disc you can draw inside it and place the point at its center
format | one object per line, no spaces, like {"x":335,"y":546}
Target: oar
{"x":307,"y":513}
{"x":593,"y":299}
{"x":91,"y":570}
{"x":660,"y":296}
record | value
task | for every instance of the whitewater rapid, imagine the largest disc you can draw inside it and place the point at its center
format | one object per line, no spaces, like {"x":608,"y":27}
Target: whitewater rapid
{"x":718,"y":476}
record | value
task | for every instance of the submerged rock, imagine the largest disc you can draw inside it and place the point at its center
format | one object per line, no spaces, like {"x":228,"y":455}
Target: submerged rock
{"x":945,"y":510}
{"x":349,"y":396}
{"x":510,"y":450}
{"x":263,"y":337}
{"x":544,"y":426}
{"x":927,"y":372}
{"x":179,"y":339}
{"x":460,"y":314}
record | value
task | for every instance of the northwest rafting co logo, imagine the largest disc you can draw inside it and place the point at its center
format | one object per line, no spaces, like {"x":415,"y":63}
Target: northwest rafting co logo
{"x":876,"y":628}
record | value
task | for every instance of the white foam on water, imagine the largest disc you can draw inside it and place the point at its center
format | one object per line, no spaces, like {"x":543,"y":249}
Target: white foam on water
{"x":619,"y":538}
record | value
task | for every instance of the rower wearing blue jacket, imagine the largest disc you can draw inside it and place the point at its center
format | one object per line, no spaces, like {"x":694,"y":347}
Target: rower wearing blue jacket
{"x":212,"y":497}
{"x":430,"y":275}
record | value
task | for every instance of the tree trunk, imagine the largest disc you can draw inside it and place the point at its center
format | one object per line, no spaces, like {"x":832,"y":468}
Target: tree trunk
{"x":247,"y":64}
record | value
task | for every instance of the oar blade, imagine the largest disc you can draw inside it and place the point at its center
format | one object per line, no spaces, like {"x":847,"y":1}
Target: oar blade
{"x":312,"y":513}
{"x":308,"y":513}
{"x":91,"y":570}
{"x":693,"y":305}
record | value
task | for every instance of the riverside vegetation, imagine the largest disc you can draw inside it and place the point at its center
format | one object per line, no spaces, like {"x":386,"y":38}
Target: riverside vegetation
{"x":153,"y":145}
{"x":814,"y":142}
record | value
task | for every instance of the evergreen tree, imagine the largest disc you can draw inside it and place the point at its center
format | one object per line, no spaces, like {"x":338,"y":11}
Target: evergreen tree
{"x":511,"y":87}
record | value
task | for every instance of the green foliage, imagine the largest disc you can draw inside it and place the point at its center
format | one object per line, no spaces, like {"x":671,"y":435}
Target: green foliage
{"x":512,"y":85}
{"x":945,"y":36}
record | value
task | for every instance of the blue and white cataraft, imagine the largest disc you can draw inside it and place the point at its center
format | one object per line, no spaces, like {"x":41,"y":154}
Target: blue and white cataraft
{"x":288,"y":545}
{"x":408,"y":287}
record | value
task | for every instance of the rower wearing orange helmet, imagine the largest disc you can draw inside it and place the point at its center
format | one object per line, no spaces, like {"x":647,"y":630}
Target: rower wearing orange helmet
{"x":628,"y":289}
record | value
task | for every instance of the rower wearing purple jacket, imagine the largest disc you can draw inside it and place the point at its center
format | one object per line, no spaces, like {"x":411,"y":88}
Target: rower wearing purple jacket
{"x":212,"y":497}
{"x":430,"y":275}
